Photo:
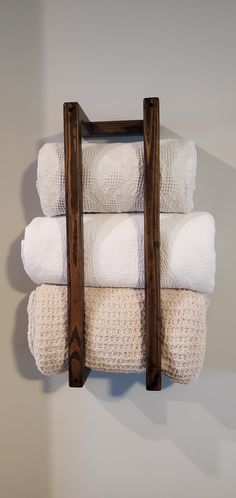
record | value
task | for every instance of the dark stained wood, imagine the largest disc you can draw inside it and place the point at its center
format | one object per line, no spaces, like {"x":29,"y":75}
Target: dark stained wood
{"x":114,"y":128}
{"x":73,"y":127}
{"x":152,"y":242}
{"x":76,"y":126}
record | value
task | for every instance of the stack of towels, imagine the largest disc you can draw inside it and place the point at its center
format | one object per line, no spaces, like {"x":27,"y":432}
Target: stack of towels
{"x":114,"y":261}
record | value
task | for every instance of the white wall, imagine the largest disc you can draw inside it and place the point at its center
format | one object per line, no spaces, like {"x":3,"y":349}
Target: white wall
{"x":113,"y":439}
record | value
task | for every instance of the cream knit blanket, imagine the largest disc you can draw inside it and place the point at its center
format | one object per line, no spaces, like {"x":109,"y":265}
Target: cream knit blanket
{"x":113,"y":177}
{"x":114,"y":324}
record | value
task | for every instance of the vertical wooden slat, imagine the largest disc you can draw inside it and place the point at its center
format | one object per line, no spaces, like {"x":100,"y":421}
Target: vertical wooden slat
{"x":75,"y":242}
{"x":152,"y":242}
{"x":76,"y":125}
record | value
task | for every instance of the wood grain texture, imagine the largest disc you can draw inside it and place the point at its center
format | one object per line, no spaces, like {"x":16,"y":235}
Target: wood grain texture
{"x":114,"y":128}
{"x":152,"y":242}
{"x":76,"y":126}
{"x":74,"y":123}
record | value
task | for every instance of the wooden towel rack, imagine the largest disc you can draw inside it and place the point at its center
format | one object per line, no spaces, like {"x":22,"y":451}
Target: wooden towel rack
{"x":76,"y":127}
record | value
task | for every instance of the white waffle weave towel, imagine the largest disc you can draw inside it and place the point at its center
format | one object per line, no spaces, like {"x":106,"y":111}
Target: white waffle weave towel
{"x":113,"y":177}
{"x":113,"y":250}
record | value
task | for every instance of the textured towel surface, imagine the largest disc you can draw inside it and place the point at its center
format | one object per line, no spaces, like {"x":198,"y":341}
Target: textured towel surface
{"x":114,"y":325}
{"x":114,"y":251}
{"x":113,"y":177}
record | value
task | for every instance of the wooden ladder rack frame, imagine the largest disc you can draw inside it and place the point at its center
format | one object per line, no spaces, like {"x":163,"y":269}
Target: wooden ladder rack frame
{"x":76,"y":127}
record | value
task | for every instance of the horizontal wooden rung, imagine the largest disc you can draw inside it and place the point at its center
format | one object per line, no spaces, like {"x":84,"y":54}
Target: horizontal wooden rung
{"x":112,"y":128}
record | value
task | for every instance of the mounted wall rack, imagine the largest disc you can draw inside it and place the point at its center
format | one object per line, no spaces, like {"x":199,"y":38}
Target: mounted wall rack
{"x":76,"y":127}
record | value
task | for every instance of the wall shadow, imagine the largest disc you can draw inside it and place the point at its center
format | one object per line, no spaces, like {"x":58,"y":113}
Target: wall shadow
{"x":181,"y":412}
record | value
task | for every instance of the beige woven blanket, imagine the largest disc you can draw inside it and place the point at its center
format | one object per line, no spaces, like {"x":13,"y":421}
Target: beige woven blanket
{"x":114,"y":324}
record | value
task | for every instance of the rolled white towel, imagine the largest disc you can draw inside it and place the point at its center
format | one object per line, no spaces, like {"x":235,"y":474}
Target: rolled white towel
{"x":114,"y":254}
{"x":113,"y":177}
